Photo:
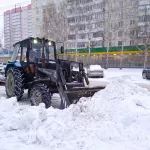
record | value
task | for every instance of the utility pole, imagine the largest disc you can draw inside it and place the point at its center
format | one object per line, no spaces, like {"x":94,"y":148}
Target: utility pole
{"x":89,"y":45}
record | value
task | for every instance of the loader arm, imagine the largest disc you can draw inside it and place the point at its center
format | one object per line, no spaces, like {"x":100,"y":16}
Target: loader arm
{"x":71,"y":92}
{"x":62,"y":88}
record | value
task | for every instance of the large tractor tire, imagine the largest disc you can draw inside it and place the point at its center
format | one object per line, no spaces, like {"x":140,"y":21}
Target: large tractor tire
{"x":39,"y":93}
{"x":14,"y":83}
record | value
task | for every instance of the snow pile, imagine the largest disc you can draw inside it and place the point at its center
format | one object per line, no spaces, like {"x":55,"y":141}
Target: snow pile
{"x":115,"y":118}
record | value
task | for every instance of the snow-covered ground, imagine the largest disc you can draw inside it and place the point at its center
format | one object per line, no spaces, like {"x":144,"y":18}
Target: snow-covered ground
{"x":135,"y":76}
{"x":115,"y":118}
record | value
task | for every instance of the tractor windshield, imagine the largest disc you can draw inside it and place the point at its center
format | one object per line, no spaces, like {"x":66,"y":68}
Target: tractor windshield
{"x":36,"y":51}
{"x":16,"y":53}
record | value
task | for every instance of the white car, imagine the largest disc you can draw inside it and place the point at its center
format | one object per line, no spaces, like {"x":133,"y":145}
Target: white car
{"x":2,"y":67}
{"x":95,"y":71}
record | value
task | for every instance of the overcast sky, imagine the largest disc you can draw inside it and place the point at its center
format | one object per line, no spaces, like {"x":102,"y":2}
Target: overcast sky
{"x":9,"y":4}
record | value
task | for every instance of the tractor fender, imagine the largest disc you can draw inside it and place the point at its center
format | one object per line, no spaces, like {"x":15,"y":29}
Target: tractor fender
{"x":12,"y":65}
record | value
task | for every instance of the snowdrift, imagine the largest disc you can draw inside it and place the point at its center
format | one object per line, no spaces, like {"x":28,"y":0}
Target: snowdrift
{"x":115,"y":118}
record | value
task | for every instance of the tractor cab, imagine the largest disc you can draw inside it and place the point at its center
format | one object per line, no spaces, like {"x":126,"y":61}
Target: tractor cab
{"x":29,"y":51}
{"x":31,"y":48}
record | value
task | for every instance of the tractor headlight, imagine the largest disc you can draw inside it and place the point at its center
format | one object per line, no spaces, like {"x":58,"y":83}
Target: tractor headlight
{"x":49,"y":43}
{"x":35,"y":41}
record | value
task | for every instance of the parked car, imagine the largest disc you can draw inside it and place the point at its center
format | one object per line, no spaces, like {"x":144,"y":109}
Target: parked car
{"x":2,"y":67}
{"x":146,"y":73}
{"x":95,"y":71}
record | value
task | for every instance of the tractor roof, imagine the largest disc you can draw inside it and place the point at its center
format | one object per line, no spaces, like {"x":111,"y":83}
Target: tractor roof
{"x":28,"y":39}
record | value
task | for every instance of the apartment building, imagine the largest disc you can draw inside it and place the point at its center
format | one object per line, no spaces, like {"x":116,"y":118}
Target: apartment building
{"x":126,"y":22}
{"x":85,"y":23}
{"x":144,"y":21}
{"x":37,"y":16}
{"x":17,"y":25}
{"x":97,"y":23}
{"x":121,"y":22}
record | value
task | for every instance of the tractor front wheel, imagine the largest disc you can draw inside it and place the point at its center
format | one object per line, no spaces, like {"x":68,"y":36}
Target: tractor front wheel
{"x":14,"y":83}
{"x":39,"y":93}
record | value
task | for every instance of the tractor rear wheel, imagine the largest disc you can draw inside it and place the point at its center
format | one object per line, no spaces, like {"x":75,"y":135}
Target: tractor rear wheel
{"x":14,"y":83}
{"x":39,"y":93}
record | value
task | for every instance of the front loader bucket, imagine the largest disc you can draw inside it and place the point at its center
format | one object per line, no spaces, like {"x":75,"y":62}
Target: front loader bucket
{"x":73,"y":95}
{"x":76,"y":93}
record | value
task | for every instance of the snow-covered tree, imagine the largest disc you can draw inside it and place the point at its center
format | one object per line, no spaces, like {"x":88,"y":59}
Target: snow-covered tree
{"x":55,"y":22}
{"x":142,"y":37}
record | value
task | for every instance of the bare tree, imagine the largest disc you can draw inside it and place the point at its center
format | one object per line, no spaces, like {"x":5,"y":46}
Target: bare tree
{"x":77,"y":9}
{"x":73,"y":30}
{"x":129,"y":19}
{"x":118,"y":16}
{"x":110,"y":26}
{"x":55,"y":22}
{"x":142,"y":36}
{"x":84,"y":18}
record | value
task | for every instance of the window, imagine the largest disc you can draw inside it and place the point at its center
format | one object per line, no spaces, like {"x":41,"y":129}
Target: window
{"x":89,"y":17}
{"x":119,"y":43}
{"x":97,"y":34}
{"x":132,"y":12}
{"x":16,"y":53}
{"x":132,"y":22}
{"x":82,"y":36}
{"x":96,"y":43}
{"x":81,"y":27}
{"x":37,"y":19}
{"x":120,"y":33}
{"x":131,"y":42}
{"x":133,"y":2}
{"x":71,"y":20}
{"x":37,"y":11}
{"x":24,"y":52}
{"x":132,"y":32}
{"x":98,"y":24}
{"x":81,"y":44}
{"x":71,"y":45}
{"x":72,"y":37}
{"x":72,"y":28}
{"x":71,"y":11}
{"x":120,"y":23}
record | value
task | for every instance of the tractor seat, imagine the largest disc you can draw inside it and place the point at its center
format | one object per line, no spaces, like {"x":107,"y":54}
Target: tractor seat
{"x":74,"y":84}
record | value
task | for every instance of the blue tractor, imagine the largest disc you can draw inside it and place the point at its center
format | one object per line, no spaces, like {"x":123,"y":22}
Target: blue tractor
{"x":35,"y":66}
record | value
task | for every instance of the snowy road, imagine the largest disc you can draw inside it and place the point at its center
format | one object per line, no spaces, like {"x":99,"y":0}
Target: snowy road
{"x":133,"y":74}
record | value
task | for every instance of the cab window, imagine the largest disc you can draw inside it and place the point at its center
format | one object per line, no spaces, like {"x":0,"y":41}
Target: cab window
{"x":16,"y":53}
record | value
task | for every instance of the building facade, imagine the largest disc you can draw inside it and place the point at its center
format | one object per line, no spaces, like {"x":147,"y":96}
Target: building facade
{"x":37,"y":16}
{"x":127,"y":22}
{"x":144,"y":22}
{"x":85,"y":23}
{"x":98,"y":23}
{"x":17,"y":25}
{"x":121,"y":21}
